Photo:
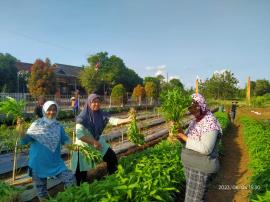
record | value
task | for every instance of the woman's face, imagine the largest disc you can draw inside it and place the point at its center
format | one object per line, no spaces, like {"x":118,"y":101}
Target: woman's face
{"x":195,"y":109}
{"x":51,"y":112}
{"x":95,"y":104}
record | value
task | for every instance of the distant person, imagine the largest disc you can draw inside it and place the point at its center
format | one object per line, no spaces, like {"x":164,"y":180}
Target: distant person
{"x":75,"y":105}
{"x":38,"y":108}
{"x":199,"y":154}
{"x":45,"y":136}
{"x":233,"y":111}
{"x":90,"y":124}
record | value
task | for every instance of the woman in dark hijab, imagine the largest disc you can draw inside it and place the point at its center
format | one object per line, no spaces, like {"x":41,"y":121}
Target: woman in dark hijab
{"x":90,"y":124}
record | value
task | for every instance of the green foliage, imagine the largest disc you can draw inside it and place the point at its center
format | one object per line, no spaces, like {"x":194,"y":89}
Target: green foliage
{"x":118,"y":94}
{"x":256,"y":136}
{"x":137,"y":179}
{"x":133,"y":132}
{"x":8,"y":72}
{"x":220,"y":85}
{"x":262,"y":197}
{"x":258,"y":101}
{"x":172,"y":84}
{"x":8,"y":193}
{"x":42,"y":80}
{"x":157,"y":85}
{"x":267,"y":96}
{"x":67,"y":114}
{"x":12,"y":107}
{"x":91,"y":154}
{"x":174,"y":104}
{"x":224,"y":120}
{"x":112,"y":71}
{"x":262,"y":87}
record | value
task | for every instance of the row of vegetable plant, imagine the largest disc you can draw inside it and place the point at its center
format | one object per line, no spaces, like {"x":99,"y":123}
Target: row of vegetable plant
{"x":257,"y":138}
{"x":8,"y":193}
{"x":152,"y":175}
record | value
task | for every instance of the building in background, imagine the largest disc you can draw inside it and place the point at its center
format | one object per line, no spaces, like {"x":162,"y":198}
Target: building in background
{"x":67,"y":77}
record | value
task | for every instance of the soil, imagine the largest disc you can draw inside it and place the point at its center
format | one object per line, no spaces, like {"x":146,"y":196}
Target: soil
{"x":232,"y":181}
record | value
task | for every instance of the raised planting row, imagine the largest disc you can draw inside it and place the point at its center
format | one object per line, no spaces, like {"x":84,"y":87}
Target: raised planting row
{"x":257,"y":139}
{"x":155,"y":174}
{"x":151,"y":175}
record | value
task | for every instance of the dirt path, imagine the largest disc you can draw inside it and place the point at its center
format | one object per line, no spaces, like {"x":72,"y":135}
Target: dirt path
{"x":231,"y":183}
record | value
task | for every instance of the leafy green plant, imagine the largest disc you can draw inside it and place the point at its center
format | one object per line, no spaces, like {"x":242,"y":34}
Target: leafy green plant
{"x":174,"y":104}
{"x":8,"y":193}
{"x":137,"y":179}
{"x":90,"y":153}
{"x":133,"y":131}
{"x":15,"y":108}
{"x":256,"y":136}
{"x":258,"y":101}
{"x":10,"y":106}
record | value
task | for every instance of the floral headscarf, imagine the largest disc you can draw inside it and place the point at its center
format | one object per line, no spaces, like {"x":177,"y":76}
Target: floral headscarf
{"x":46,"y":131}
{"x":207,"y":124}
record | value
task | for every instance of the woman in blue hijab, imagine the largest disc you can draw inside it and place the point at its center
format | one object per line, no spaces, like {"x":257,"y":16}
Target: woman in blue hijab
{"x":90,"y":124}
{"x":45,"y":136}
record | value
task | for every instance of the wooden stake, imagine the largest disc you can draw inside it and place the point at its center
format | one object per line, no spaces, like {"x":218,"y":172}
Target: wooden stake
{"x":197,"y":86}
{"x":15,"y":162}
{"x":248,"y":91}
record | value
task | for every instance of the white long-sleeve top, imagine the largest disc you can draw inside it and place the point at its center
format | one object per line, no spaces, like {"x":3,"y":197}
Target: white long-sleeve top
{"x":206,"y":143}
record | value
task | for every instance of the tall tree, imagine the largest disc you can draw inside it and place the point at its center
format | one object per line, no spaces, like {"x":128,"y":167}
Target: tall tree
{"x":262,"y":87}
{"x":118,"y":94}
{"x":111,"y":71}
{"x":176,"y":83}
{"x":42,"y":80}
{"x":220,"y":85}
{"x":138,"y":93}
{"x":8,"y":73}
{"x":150,"y":91}
{"x":23,"y":77}
{"x":157,"y":83}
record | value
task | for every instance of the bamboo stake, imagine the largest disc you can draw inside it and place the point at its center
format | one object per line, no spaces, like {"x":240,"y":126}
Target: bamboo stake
{"x":15,"y":161}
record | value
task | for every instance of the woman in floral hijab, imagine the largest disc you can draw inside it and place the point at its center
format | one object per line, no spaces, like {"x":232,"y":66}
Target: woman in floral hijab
{"x":200,"y":155}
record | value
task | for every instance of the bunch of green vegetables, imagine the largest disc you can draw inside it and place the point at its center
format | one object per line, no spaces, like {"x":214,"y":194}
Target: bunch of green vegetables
{"x":133,"y":131}
{"x":174,"y":105}
{"x":8,"y":193}
{"x":256,"y":136}
{"x":152,"y":175}
{"x":12,"y":107}
{"x":91,"y":154}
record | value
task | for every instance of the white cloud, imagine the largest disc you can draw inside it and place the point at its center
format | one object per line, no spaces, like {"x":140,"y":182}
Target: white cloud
{"x":151,"y":68}
{"x":220,"y":71}
{"x":174,"y":77}
{"x":158,"y":70}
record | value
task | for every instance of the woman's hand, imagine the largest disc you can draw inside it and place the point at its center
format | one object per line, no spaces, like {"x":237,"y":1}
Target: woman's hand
{"x":96,"y":144}
{"x":19,"y":127}
{"x":182,"y":137}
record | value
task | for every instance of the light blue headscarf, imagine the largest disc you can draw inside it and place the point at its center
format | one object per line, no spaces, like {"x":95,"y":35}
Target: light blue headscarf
{"x":46,"y":131}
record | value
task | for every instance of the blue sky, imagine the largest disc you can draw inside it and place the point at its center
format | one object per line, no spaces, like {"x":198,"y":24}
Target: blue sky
{"x":185,"y":39}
